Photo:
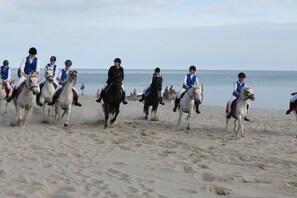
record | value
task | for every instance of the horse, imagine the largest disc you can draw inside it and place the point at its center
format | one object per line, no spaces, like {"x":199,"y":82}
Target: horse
{"x":26,"y":99}
{"x":65,"y":100}
{"x":241,"y":109}
{"x":48,"y":89}
{"x":112,"y":100}
{"x":153,"y":97}
{"x":169,"y":96}
{"x":2,"y":94}
{"x":187,"y":103}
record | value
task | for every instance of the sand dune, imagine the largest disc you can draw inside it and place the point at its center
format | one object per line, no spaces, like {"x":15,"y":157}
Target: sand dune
{"x":139,"y":158}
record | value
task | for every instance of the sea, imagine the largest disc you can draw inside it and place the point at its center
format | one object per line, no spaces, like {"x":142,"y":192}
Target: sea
{"x":272,"y":88}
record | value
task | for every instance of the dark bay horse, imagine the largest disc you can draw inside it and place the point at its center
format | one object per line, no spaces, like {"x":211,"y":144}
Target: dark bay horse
{"x":112,"y":100}
{"x":153,"y":97}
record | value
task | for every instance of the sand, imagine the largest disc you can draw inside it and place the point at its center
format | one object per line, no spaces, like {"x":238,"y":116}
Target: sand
{"x":144,"y":158}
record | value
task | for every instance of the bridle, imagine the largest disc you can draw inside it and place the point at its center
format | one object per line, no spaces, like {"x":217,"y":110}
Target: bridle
{"x":30,"y":81}
{"x":71,"y":75}
{"x":247,"y":96}
{"x":49,"y":76}
{"x":193,"y":97}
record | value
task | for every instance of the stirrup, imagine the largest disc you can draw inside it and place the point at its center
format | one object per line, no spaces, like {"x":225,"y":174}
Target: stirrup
{"x":246,"y":119}
{"x":77,"y":104}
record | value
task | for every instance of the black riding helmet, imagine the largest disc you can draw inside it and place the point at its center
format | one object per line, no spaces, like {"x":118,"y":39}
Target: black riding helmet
{"x":117,"y":60}
{"x":5,"y":62}
{"x":192,"y":68}
{"x":32,"y":51}
{"x":53,"y":58}
{"x":68,"y":62}
{"x":157,"y":70}
{"x":241,"y":75}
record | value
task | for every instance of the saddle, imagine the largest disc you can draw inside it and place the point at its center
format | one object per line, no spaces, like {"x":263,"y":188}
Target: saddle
{"x":6,"y":90}
{"x":59,"y":91}
{"x":234,"y":106}
{"x":20,"y":89}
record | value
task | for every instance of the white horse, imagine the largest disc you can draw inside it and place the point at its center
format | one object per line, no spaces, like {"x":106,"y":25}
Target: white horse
{"x":241,"y":109}
{"x":26,"y":99}
{"x":187,"y":103}
{"x":65,"y":100}
{"x":2,"y":93}
{"x":48,"y":89}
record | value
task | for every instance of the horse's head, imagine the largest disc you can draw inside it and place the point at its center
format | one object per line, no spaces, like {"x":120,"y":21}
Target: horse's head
{"x":72,"y":76}
{"x":247,"y":93}
{"x":32,"y":82}
{"x":49,"y":74}
{"x":197,"y":93}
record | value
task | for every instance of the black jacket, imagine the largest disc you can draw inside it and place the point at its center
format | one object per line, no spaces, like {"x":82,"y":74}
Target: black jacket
{"x":115,"y":74}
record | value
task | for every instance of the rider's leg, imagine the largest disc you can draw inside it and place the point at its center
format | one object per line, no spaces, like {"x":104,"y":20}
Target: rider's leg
{"x":161,"y":97}
{"x":230,"y":110}
{"x":293,"y":103}
{"x":15,"y":90}
{"x":75,"y":98}
{"x":8,"y":88}
{"x":143,"y":95}
{"x":39,"y":94}
{"x":124,"y":96}
{"x":102,"y":93}
{"x":177,"y":99}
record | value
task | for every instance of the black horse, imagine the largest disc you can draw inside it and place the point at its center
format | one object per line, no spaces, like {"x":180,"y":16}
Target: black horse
{"x":112,"y":100}
{"x":153,"y":97}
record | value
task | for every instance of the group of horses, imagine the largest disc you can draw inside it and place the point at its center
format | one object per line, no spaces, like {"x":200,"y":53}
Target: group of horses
{"x":26,"y":99}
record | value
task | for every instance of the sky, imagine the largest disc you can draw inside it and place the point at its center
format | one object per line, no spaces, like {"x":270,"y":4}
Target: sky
{"x":170,"y":34}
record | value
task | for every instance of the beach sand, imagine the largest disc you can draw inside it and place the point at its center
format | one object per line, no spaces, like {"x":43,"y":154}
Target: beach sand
{"x":144,"y":158}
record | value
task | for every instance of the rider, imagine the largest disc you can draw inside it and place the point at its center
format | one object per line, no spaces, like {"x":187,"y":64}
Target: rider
{"x":6,"y":75}
{"x":237,"y":88}
{"x":55,"y":75}
{"x":155,"y":75}
{"x":293,"y":103}
{"x":62,"y":78}
{"x":189,"y":80}
{"x":114,"y":72}
{"x":29,"y":64}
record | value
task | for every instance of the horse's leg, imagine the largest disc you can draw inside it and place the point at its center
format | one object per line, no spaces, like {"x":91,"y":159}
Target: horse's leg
{"x":235,"y":126}
{"x":146,"y":110}
{"x":6,"y":106}
{"x":180,"y":116}
{"x":227,"y":120}
{"x":68,"y":115}
{"x":241,"y":125}
{"x":188,"y":121}
{"x":26,"y":115}
{"x":116,"y":114}
{"x":106,"y":112}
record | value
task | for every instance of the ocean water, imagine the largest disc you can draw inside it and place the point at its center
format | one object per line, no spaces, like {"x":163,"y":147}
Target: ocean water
{"x":272,"y":88}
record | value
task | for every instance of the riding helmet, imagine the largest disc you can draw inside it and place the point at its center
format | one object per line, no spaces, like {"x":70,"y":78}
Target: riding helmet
{"x":68,"y":62}
{"x":32,"y":51}
{"x":192,"y":68}
{"x":53,"y":58}
{"x":117,"y":60}
{"x":5,"y":62}
{"x":157,"y":70}
{"x":241,"y":75}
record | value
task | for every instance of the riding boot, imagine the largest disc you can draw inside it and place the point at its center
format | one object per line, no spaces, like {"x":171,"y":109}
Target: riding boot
{"x":197,"y":108}
{"x":290,"y":108}
{"x":14,"y":92}
{"x":123,"y":98}
{"x":38,"y":95}
{"x":101,"y":96}
{"x":161,"y":101}
{"x":38,"y":99}
{"x":76,"y":103}
{"x":142,"y":98}
{"x":176,"y":104}
{"x":53,"y":100}
{"x":246,"y":119}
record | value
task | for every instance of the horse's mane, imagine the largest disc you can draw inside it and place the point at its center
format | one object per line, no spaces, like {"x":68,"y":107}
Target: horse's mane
{"x":34,"y":74}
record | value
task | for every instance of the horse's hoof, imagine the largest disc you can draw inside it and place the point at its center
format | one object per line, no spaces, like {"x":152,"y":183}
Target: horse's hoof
{"x":65,"y":125}
{"x":146,"y":118}
{"x":111,"y":122}
{"x":188,"y":128}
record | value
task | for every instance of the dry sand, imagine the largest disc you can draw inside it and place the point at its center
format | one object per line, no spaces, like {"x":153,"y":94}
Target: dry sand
{"x":140,"y":158}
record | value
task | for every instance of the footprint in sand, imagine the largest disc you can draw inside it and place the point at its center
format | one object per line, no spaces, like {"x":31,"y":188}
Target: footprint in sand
{"x":183,"y":168}
{"x":219,"y":190}
{"x":189,"y":191}
{"x":205,"y":176}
